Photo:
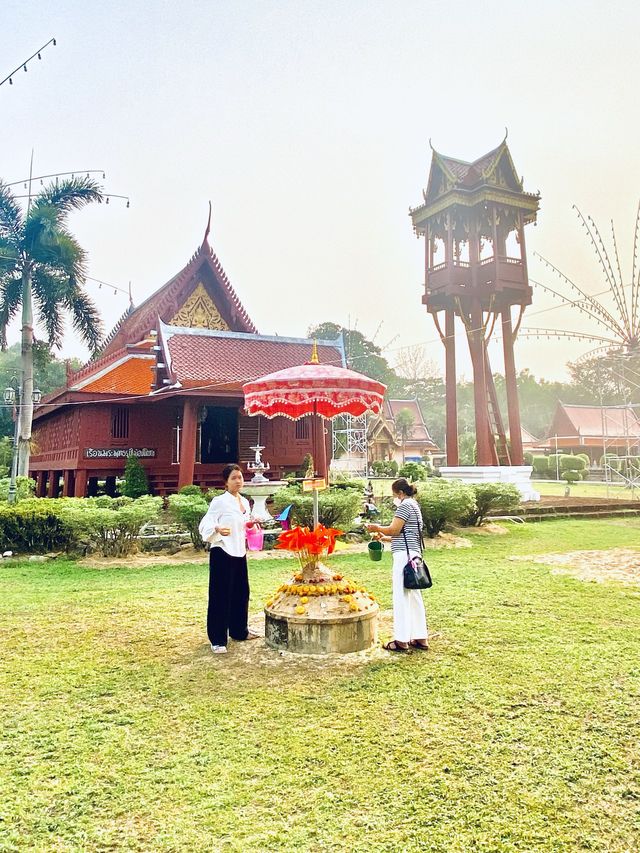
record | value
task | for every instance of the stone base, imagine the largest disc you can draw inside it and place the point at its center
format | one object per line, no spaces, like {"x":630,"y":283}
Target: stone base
{"x":308,"y":636}
{"x":519,"y":475}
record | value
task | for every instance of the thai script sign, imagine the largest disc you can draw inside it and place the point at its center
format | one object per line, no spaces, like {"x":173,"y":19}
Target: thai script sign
{"x":119,"y":452}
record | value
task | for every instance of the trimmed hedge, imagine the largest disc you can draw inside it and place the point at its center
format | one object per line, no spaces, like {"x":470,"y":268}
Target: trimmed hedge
{"x":413,"y":471}
{"x":188,"y":509}
{"x":109,"y":525}
{"x":336,"y":507}
{"x":489,"y":498}
{"x":540,"y":466}
{"x":444,"y":502}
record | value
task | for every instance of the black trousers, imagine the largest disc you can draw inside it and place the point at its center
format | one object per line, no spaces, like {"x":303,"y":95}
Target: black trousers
{"x":228,"y":609}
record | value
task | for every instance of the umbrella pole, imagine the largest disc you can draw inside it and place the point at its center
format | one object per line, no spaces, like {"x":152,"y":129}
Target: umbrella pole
{"x":316,"y":509}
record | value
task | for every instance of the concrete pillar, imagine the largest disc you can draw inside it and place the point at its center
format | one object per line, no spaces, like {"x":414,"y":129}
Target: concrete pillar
{"x":68,"y":483}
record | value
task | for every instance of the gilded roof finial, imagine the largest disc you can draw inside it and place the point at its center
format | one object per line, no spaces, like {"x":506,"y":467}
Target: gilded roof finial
{"x":314,"y":354}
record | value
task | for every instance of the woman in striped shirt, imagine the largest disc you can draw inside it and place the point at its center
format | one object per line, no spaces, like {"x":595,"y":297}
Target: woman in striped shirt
{"x":405,"y":534}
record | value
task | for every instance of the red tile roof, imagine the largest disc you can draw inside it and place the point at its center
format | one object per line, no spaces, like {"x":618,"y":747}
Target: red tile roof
{"x":133,"y":376}
{"x":603,"y":421}
{"x":201,"y":358}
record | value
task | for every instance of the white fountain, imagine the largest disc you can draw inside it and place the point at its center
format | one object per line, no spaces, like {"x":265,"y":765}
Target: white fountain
{"x":259,"y":487}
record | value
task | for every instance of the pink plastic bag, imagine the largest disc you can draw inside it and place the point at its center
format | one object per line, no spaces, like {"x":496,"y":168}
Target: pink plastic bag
{"x":255,"y":537}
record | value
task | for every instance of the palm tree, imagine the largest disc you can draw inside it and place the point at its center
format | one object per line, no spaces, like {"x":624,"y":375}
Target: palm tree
{"x":405,"y":423}
{"x":42,"y":264}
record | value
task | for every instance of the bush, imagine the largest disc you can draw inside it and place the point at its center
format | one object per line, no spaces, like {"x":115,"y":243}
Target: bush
{"x":385,"y":468}
{"x":413,"y":471}
{"x":571,"y":476}
{"x":491,"y":497}
{"x":113,"y":530}
{"x":554,"y":465}
{"x":34,"y":525}
{"x":25,"y":488}
{"x":444,"y":502}
{"x":188,"y":510}
{"x":135,"y":479}
{"x":190,"y":490}
{"x":342,"y":482}
{"x":336,"y":507}
{"x":585,"y":456}
{"x":540,"y":466}
{"x":612,"y":461}
{"x":528,"y":457}
{"x":569,"y":462}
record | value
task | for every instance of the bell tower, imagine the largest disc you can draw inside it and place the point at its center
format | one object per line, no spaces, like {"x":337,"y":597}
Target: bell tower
{"x":473,"y":218}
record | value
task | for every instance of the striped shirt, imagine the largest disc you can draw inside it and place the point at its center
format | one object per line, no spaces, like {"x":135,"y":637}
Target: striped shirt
{"x":409,"y":512}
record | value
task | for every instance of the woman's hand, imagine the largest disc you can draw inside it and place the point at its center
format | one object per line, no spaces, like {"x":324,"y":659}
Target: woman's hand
{"x":223,"y":531}
{"x":373,"y":528}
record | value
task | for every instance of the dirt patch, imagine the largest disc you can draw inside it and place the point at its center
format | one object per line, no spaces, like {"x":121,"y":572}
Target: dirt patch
{"x":617,"y":564}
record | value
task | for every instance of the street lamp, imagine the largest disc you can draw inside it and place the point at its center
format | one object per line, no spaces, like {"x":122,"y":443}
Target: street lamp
{"x":13,"y":397}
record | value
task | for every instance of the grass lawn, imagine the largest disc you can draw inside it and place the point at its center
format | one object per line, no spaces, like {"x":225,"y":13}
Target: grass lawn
{"x":587,"y":490}
{"x":518,"y":731}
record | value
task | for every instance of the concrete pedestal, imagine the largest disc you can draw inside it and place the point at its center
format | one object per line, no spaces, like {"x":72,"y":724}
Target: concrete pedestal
{"x":260,"y":492}
{"x":519,"y":475}
{"x":338,"y":635}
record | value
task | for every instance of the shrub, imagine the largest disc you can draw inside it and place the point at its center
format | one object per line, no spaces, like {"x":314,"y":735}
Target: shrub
{"x":336,"y":507}
{"x":25,"y":488}
{"x":571,"y":476}
{"x":413,"y":471}
{"x":34,"y":525}
{"x":585,"y":456}
{"x":554,"y":465}
{"x":491,"y":497}
{"x":385,"y":468}
{"x":188,"y":510}
{"x":135,"y":479}
{"x":612,"y":461}
{"x":112,"y":530}
{"x":190,"y":490}
{"x":528,"y":457}
{"x":569,"y":462}
{"x":444,"y":502}
{"x":540,"y":466}
{"x":342,"y":482}
{"x":210,"y":494}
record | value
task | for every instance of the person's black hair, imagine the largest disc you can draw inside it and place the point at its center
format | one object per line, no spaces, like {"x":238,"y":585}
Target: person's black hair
{"x":228,"y":470}
{"x":403,"y":486}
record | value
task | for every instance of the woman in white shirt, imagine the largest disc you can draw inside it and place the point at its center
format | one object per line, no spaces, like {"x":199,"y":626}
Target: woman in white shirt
{"x":224,"y":526}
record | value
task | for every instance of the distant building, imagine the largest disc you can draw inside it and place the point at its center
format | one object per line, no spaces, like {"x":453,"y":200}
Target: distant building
{"x":384,"y":439}
{"x":594,"y":430}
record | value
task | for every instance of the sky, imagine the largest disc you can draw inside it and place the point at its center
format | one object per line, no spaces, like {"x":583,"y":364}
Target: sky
{"x":307,"y":125}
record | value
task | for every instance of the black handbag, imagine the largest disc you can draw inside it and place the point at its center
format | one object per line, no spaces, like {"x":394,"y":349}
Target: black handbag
{"x":416,"y":571}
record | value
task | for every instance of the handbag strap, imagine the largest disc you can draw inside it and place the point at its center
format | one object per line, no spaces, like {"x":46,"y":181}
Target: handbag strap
{"x":406,"y":544}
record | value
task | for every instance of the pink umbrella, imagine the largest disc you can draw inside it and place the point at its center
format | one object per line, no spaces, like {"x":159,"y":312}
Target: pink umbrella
{"x":314,"y":389}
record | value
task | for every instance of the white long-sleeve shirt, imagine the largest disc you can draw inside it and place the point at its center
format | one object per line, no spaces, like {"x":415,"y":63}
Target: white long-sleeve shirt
{"x":225,"y":511}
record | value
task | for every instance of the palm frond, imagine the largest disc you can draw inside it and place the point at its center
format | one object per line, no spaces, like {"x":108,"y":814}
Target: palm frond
{"x":47,"y":292}
{"x":86,"y":318}
{"x":10,"y":215}
{"x":9,"y":255}
{"x":10,"y":301}
{"x":65,"y":196}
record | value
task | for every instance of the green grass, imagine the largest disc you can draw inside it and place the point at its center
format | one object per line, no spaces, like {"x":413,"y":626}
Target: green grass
{"x":517,"y":732}
{"x":587,"y":490}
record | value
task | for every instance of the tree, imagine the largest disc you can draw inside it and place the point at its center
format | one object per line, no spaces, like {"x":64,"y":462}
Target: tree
{"x":42,"y":265}
{"x":49,"y":373}
{"x":405,"y":423}
{"x":135,"y":479}
{"x":362,"y":354}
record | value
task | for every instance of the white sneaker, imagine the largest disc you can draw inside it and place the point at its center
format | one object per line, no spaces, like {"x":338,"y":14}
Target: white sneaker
{"x":218,"y":650}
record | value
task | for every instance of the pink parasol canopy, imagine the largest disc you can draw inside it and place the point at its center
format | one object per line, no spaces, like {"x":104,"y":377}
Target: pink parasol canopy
{"x":313,"y":388}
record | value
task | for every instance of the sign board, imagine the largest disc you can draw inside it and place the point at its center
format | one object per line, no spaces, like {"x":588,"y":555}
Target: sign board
{"x":318,"y":484}
{"x":119,"y":452}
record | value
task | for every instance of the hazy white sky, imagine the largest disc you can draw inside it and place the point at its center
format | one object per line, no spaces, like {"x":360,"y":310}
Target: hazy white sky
{"x":307,"y":125}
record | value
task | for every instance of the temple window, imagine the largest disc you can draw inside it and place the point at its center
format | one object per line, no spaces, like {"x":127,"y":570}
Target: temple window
{"x":120,"y":422}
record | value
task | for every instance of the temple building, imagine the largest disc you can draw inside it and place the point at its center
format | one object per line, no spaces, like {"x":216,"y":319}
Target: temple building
{"x":167,"y":388}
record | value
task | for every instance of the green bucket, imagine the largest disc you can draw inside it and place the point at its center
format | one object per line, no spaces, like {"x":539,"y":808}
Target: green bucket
{"x":375,"y":550}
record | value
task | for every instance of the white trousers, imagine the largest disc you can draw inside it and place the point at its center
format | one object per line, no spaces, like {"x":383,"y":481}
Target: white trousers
{"x":409,"y":617}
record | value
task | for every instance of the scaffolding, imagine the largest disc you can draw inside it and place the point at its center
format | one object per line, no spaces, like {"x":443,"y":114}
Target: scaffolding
{"x":350,"y":444}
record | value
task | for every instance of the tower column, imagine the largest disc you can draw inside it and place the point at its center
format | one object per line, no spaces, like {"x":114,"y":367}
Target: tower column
{"x":511,"y":383}
{"x":450,"y":388}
